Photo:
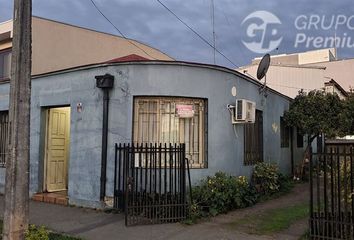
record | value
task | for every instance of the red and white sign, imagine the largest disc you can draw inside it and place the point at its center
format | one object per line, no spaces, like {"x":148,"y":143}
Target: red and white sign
{"x":185,"y":111}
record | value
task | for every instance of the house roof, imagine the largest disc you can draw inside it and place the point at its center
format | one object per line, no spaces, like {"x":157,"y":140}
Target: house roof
{"x":128,"y":58}
{"x":139,"y":61}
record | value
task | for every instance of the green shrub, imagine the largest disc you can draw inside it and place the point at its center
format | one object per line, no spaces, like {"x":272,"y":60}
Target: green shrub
{"x":220,"y":194}
{"x":36,"y":233}
{"x":266,"y":178}
{"x":286,"y":183}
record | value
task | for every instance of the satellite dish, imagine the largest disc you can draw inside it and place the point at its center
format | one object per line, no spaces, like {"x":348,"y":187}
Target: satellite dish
{"x":263,"y":66}
{"x":261,"y":73}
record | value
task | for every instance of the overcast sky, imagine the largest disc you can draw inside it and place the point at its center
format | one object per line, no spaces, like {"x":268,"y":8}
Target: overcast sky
{"x":149,"y":22}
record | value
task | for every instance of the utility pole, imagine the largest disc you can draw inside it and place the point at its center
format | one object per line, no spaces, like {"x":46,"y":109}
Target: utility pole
{"x":17,"y":166}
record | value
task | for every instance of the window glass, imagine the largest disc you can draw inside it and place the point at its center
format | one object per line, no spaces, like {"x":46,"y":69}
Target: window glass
{"x":172,"y":120}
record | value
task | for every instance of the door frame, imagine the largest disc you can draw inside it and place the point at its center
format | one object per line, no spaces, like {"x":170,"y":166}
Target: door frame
{"x":45,"y":142}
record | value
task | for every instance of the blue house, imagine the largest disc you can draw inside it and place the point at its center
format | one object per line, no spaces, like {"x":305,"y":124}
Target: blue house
{"x":150,"y":102}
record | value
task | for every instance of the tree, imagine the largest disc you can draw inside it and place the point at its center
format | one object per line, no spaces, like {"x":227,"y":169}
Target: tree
{"x":316,"y":113}
{"x":347,"y":116}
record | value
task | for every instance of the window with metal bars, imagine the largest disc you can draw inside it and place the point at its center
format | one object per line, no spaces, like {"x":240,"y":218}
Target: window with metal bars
{"x":4,"y":134}
{"x":253,"y":140}
{"x":284,"y":134}
{"x":5,"y":64}
{"x":172,"y":120}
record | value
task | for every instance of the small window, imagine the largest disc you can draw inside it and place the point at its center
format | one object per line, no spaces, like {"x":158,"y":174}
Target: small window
{"x":284,"y":134}
{"x":5,"y":64}
{"x":173,"y":120}
{"x":4,"y":133}
{"x":299,"y":139}
{"x":253,"y":140}
{"x":320,"y":144}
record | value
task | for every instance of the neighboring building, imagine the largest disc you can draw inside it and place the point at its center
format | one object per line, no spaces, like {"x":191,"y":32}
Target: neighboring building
{"x":57,"y":46}
{"x":289,"y":73}
{"x":333,"y":87}
{"x":342,"y":71}
{"x":303,"y":58}
{"x":66,"y":122}
{"x":290,"y":79}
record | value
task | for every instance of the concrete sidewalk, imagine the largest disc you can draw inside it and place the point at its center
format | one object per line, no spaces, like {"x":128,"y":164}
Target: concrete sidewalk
{"x":96,"y":225}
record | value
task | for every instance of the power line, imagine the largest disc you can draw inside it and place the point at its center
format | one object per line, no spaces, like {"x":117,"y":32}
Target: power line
{"x":120,"y":32}
{"x":196,"y":33}
{"x":236,"y":39}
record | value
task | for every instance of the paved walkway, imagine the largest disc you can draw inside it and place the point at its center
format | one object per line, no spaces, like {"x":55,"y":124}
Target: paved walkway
{"x":96,"y":225}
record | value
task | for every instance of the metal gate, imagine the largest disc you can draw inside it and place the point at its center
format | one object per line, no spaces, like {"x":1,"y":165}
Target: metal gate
{"x":331,"y":194}
{"x":150,"y":183}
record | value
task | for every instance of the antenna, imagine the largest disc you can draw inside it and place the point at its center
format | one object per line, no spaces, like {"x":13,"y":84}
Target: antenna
{"x":213,"y":23}
{"x":262,"y":73}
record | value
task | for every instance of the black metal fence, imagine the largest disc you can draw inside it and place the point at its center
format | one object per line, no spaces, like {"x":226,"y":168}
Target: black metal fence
{"x":4,"y":135}
{"x":150,"y":183}
{"x":331,"y":194}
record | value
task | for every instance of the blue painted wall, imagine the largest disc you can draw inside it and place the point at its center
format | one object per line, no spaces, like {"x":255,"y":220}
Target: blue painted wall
{"x":225,"y":144}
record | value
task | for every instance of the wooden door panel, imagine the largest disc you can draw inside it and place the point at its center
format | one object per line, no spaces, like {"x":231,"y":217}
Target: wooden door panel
{"x":57,"y":147}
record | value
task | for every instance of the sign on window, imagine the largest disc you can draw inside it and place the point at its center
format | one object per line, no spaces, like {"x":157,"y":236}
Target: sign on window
{"x":184,"y":111}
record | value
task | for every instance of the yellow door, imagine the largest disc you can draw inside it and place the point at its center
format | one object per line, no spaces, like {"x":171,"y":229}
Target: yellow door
{"x":57,"y":149}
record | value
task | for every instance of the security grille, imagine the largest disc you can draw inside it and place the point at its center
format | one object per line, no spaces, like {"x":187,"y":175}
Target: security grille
{"x":157,"y":120}
{"x":253,"y":136}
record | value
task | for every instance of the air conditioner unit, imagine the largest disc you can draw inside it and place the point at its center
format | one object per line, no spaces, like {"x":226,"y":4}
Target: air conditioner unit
{"x":244,"y":111}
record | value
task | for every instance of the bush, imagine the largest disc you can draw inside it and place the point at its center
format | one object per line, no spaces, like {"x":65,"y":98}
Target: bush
{"x":286,"y":183}
{"x":220,"y":194}
{"x":34,"y":233}
{"x":266,"y":178}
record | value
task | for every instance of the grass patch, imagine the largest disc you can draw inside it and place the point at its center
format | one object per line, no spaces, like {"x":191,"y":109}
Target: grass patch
{"x":51,"y":235}
{"x":271,"y":221}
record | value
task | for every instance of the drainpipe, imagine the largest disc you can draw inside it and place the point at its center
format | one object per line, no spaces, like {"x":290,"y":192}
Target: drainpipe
{"x":105,"y":82}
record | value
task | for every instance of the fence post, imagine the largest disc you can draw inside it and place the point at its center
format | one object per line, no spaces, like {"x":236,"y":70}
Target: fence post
{"x":311,"y":191}
{"x":115,"y":176}
{"x":189,"y":181}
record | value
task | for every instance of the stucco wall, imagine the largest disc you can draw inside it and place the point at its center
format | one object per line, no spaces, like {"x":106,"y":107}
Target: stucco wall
{"x":57,"y":46}
{"x":225,"y":146}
